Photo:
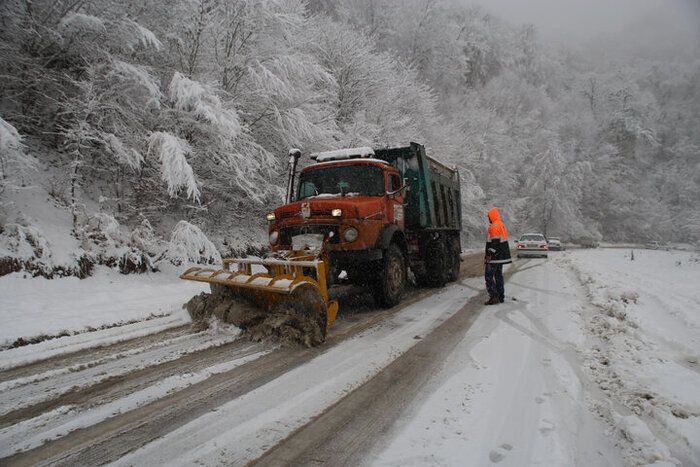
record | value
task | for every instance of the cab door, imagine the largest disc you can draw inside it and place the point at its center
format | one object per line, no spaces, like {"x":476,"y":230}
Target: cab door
{"x":395,"y":198}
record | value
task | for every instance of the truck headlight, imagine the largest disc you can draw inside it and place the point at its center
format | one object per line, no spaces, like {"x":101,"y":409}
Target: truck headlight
{"x":350,"y":234}
{"x":274,"y":236}
{"x":337,"y":212}
{"x":271,"y":217}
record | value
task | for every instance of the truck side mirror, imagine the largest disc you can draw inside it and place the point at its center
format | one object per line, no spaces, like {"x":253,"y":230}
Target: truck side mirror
{"x":392,"y":193}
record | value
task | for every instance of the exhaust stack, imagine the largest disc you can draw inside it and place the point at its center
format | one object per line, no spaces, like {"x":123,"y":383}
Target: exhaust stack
{"x":294,"y":155}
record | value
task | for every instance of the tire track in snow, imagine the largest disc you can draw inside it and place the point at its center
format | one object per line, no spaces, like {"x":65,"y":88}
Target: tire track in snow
{"x":111,"y":438}
{"x":85,"y":356}
{"x":110,"y":375}
{"x":66,"y":419}
{"x":346,"y":432}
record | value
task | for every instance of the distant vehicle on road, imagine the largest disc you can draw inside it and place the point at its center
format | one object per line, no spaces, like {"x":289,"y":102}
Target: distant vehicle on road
{"x":652,"y":245}
{"x":532,"y":244}
{"x":554,"y":244}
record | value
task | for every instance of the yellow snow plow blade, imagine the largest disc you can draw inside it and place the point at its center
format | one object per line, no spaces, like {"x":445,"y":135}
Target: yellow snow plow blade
{"x":298,"y":280}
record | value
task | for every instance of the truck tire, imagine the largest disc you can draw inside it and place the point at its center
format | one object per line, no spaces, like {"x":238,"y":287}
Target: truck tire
{"x":453,"y":259}
{"x":391,"y":278}
{"x":436,"y":265}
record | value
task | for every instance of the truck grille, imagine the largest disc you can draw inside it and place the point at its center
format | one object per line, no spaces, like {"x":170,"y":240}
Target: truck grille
{"x":314,"y":213}
{"x":321,"y":212}
{"x":286,"y":233}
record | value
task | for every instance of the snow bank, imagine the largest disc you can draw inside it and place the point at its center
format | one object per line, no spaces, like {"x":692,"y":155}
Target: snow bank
{"x":643,"y":347}
{"x":37,"y":230}
{"x":40,"y":309}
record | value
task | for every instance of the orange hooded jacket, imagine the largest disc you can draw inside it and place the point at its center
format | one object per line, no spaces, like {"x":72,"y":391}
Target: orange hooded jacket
{"x":497,"y":247}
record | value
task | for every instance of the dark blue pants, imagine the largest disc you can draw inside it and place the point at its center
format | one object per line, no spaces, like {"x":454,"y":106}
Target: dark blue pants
{"x":494,"y":280}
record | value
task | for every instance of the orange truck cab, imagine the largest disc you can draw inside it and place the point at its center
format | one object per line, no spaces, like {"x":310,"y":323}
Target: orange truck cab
{"x":379,"y":212}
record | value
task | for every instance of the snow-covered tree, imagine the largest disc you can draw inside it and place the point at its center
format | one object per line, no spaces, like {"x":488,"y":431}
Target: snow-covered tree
{"x":15,"y":164}
{"x":190,"y":115}
{"x":189,"y":244}
{"x":175,"y":170}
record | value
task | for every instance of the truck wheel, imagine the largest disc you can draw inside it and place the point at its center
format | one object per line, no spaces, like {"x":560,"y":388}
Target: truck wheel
{"x":453,"y":259}
{"x":388,"y":287}
{"x":436,"y":265}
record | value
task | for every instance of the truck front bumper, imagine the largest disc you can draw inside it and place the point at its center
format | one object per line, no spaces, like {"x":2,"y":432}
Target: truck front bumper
{"x":341,"y":259}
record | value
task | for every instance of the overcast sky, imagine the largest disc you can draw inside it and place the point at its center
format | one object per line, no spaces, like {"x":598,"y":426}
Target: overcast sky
{"x":583,"y":20}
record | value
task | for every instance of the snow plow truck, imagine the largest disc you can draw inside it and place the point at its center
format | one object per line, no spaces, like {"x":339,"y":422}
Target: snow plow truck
{"x":364,"y":215}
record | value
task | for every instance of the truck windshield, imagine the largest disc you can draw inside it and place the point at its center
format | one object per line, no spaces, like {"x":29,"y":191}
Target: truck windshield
{"x":366,"y":179}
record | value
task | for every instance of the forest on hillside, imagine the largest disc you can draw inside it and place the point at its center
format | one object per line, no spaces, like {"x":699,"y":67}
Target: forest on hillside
{"x":154,"y":112}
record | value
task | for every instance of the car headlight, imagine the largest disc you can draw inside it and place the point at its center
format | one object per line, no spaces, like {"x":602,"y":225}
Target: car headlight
{"x":271,"y":217}
{"x":337,"y":212}
{"x":274,"y":236}
{"x":350,"y":234}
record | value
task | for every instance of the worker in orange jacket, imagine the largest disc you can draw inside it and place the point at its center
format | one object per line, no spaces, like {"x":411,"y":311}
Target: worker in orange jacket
{"x":496,"y":255}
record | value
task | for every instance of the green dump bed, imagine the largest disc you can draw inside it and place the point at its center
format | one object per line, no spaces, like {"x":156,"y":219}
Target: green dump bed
{"x":433,"y":199}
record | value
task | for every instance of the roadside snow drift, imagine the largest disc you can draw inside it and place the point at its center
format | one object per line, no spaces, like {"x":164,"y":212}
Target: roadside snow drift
{"x":99,"y":310}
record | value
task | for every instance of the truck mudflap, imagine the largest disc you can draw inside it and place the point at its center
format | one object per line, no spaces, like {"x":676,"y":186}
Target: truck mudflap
{"x":295,"y":281}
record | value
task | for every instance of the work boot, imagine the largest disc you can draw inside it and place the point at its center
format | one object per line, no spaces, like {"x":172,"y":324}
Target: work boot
{"x":492,"y":301}
{"x":502,"y":299}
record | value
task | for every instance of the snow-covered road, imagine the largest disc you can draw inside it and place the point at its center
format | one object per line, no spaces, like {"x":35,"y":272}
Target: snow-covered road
{"x":592,"y":360}
{"x":595,"y":362}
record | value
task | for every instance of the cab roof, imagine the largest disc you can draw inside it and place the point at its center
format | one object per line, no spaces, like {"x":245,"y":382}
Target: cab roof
{"x":352,"y":160}
{"x":343,"y":154}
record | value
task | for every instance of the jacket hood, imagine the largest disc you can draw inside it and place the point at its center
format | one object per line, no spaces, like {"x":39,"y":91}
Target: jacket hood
{"x":494,"y":215}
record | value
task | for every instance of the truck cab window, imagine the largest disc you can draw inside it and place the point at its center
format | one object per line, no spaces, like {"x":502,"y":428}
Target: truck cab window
{"x":306,"y":189}
{"x":363,"y":179}
{"x":394,"y":182}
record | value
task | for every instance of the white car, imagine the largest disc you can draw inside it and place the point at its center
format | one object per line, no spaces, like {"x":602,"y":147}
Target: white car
{"x":532,"y":244}
{"x":554,"y":244}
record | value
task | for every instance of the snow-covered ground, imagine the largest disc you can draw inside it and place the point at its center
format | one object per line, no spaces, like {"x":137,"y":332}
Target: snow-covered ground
{"x":592,"y":360}
{"x":104,"y":308}
{"x":595,"y":362}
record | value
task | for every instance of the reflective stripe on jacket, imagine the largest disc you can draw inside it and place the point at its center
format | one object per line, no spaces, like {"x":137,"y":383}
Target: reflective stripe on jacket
{"x":497,"y":240}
